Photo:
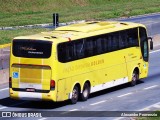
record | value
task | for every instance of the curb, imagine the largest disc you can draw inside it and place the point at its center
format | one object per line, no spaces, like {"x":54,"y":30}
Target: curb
{"x":45,"y":25}
{"x":5,"y":45}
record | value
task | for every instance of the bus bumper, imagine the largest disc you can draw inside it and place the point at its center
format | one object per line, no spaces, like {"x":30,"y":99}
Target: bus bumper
{"x":35,"y":96}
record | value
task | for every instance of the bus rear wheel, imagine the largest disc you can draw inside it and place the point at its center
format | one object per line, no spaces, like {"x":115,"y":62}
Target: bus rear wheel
{"x":85,"y":93}
{"x":75,"y":95}
{"x":135,"y":77}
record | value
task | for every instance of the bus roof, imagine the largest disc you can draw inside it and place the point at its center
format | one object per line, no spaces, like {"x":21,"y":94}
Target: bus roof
{"x":82,"y":30}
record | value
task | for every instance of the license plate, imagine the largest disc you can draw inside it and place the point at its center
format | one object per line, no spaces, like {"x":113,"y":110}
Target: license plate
{"x":30,"y":90}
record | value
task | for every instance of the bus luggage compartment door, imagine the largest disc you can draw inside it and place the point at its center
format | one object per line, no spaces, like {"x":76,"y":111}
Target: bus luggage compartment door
{"x":61,"y":95}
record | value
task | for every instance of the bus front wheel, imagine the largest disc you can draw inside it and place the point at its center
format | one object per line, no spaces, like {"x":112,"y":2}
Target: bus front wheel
{"x":75,"y":95}
{"x":135,"y":77}
{"x":85,"y":93}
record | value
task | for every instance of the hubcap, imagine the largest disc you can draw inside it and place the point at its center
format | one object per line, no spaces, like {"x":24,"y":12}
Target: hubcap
{"x":134,"y":77}
{"x":85,"y":93}
{"x":74,"y":94}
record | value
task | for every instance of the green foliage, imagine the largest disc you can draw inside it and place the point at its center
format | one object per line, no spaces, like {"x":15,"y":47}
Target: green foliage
{"x":24,"y":12}
{"x":21,"y":12}
{"x":7,"y":35}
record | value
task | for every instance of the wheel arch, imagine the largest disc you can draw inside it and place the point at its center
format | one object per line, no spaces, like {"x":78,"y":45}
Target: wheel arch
{"x":79,"y":88}
{"x":136,"y":68}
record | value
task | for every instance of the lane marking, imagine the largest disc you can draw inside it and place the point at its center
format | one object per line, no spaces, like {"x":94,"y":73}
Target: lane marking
{"x":156,"y":106}
{"x":69,"y":111}
{"x":148,"y":108}
{"x":4,"y":89}
{"x":3,"y":108}
{"x":42,"y":119}
{"x":73,"y":110}
{"x":125,"y":94}
{"x":98,"y":102}
{"x":150,"y":87}
{"x":154,"y":51}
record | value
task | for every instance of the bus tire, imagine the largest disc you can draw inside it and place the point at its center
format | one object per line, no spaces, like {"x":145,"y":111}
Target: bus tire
{"x":75,"y":95}
{"x":135,"y":77}
{"x":85,"y":93}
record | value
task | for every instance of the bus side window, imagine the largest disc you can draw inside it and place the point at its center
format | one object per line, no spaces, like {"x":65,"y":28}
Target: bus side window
{"x":109,"y":43}
{"x":69,"y":51}
{"x":61,"y":52}
{"x":122,"y":39}
{"x":99,"y":46}
{"x":89,"y":47}
{"x":79,"y":49}
{"x":132,"y":37}
{"x":115,"y":41}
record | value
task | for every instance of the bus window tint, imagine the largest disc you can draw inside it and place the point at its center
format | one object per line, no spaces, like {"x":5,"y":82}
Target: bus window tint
{"x":115,"y":41}
{"x":32,"y":48}
{"x":89,"y":47}
{"x":144,"y":44}
{"x":78,"y":49}
{"x":132,"y":37}
{"x":122,"y":39}
{"x":99,"y":45}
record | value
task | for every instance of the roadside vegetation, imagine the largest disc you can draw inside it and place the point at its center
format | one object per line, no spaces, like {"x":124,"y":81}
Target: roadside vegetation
{"x":7,"y":35}
{"x":25,"y":12}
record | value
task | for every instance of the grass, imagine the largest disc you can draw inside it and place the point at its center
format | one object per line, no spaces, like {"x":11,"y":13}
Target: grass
{"x":20,"y":12}
{"x":7,"y":35}
{"x":25,"y":12}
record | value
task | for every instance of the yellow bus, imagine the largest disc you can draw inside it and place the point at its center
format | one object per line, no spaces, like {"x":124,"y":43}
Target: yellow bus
{"x":75,"y":60}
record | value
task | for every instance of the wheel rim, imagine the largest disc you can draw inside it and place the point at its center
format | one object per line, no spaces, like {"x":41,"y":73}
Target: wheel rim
{"x":134,"y":77}
{"x":85,"y":93}
{"x":74,"y":94}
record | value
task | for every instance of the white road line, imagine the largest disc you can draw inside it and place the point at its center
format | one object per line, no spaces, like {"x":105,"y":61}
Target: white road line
{"x":148,"y":108}
{"x":3,"y":108}
{"x":73,"y":110}
{"x":42,"y":119}
{"x":69,"y":111}
{"x":150,"y":87}
{"x":156,"y":106}
{"x":145,"y":109}
{"x":98,"y":102}
{"x":4,"y":89}
{"x":125,"y":94}
{"x":154,"y":51}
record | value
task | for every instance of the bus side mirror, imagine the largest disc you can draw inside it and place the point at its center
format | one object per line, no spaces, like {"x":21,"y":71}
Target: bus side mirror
{"x":151,"y":43}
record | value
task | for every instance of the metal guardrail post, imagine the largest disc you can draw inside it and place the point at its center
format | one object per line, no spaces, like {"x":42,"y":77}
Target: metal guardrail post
{"x":55,"y":20}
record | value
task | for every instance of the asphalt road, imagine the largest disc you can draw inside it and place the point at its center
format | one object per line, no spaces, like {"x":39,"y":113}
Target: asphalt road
{"x":151,"y":21}
{"x":144,"y":96}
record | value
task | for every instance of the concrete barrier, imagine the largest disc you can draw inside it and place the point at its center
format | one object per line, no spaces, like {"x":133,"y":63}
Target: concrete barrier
{"x":4,"y":63}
